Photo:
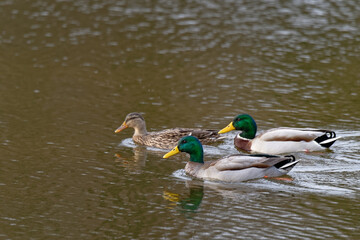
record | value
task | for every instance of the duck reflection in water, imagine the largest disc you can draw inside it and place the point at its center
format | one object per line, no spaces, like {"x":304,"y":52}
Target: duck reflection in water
{"x":189,"y":202}
{"x":134,"y":163}
{"x":241,"y":192}
{"x":137,"y":160}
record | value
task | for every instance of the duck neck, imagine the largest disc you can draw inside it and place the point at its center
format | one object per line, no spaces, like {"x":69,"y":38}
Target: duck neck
{"x":248,"y":133}
{"x":140,"y":130}
{"x":248,"y":129}
{"x":197,"y":156}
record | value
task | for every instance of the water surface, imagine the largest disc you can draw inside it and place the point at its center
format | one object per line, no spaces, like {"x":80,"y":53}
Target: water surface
{"x":72,"y":70}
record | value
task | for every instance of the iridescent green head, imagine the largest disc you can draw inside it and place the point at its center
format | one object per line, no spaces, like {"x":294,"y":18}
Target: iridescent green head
{"x":191,"y":145}
{"x":244,"y":123}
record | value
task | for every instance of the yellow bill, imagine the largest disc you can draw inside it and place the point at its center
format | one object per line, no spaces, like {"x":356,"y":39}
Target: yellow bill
{"x":174,"y":151}
{"x":172,"y":197}
{"x":228,"y":128}
{"x":122,"y":127}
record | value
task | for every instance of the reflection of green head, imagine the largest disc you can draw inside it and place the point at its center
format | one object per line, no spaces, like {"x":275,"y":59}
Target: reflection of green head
{"x":246,"y":124}
{"x":192,"y":145}
{"x":193,"y":202}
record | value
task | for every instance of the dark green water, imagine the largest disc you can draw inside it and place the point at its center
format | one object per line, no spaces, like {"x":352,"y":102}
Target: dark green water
{"x":70,"y":71}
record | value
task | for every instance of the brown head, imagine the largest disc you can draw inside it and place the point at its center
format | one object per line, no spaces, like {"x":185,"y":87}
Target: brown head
{"x":136,"y":121}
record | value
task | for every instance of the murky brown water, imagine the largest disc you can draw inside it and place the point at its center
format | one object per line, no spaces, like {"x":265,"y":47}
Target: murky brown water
{"x":72,"y":70}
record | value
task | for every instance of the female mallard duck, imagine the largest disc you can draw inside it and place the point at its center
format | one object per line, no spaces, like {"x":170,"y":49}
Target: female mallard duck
{"x":233,"y":168}
{"x":167,"y":138}
{"x":278,"y":140}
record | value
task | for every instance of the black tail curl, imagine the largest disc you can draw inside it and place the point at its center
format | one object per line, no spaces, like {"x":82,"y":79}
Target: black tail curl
{"x":326,"y":136}
{"x":286,"y":163}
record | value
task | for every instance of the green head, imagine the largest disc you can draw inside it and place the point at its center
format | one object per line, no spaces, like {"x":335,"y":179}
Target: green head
{"x":244,"y":123}
{"x":191,"y":145}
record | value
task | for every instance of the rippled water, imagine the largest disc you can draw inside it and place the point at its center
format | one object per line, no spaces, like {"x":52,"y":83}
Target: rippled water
{"x":72,"y":70}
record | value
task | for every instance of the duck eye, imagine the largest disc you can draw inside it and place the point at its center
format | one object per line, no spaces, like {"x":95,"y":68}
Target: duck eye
{"x":183,"y":141}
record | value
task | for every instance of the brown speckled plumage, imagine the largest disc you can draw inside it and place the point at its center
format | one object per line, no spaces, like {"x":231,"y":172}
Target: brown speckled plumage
{"x":165,"y":139}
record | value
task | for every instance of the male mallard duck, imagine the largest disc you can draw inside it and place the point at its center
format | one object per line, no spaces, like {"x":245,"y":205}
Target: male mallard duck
{"x":233,"y":168}
{"x":278,"y":140}
{"x":167,"y":138}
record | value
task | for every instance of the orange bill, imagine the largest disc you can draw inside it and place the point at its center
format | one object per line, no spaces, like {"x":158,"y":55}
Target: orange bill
{"x":122,"y":127}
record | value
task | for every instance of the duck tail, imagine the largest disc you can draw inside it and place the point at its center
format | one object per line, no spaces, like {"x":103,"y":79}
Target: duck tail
{"x":287,"y":164}
{"x":327,"y":139}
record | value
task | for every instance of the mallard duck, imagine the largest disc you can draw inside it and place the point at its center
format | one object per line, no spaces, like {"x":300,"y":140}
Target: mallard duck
{"x":278,"y":140}
{"x":233,"y":168}
{"x":165,"y":139}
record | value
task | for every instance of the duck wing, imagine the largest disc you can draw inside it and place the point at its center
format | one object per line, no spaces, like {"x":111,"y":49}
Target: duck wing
{"x":240,"y":162}
{"x":205,"y":135}
{"x":296,"y":134}
{"x":173,"y":135}
{"x":238,"y":168}
{"x":165,"y":139}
